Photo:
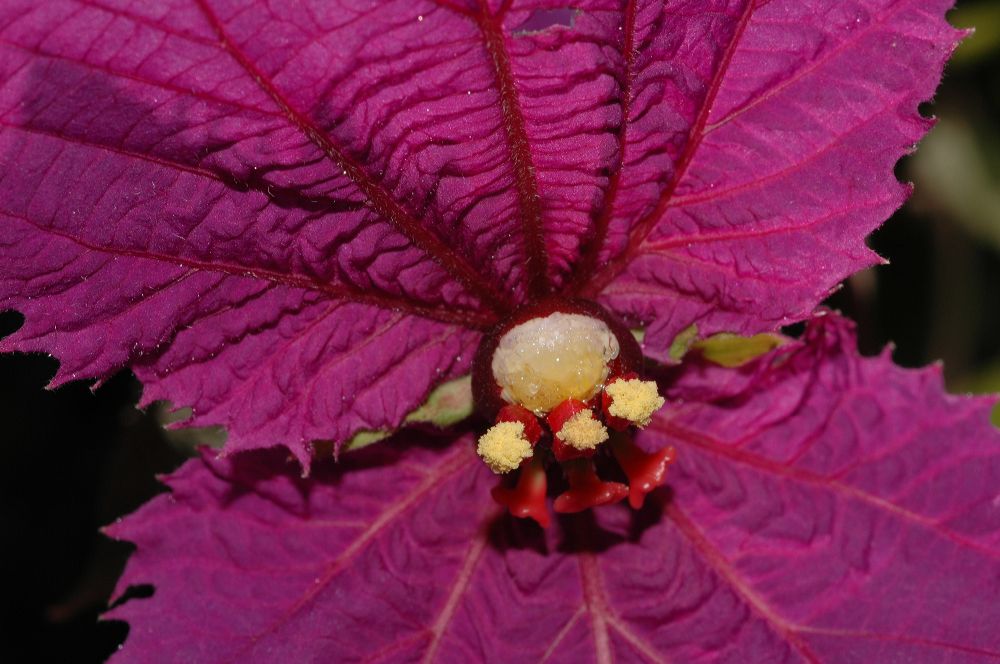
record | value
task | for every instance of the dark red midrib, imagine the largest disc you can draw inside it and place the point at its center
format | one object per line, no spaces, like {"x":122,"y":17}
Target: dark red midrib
{"x":131,"y":154}
{"x":142,"y":20}
{"x":466,"y":318}
{"x":645,"y":225}
{"x":877,"y":23}
{"x":379,"y":200}
{"x":162,"y":85}
{"x":272,"y":191}
{"x":591,"y":251}
{"x":461,"y":11}
{"x":529,"y":201}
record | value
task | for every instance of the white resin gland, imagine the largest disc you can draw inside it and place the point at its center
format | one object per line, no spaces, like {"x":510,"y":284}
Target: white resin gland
{"x":544,"y":361}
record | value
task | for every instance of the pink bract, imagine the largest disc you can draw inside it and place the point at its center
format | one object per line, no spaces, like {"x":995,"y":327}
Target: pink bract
{"x":296,"y":218}
{"x":823,"y":508}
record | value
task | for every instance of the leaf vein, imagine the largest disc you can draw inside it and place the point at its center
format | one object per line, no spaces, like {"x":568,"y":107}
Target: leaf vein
{"x":519,"y":149}
{"x":433,"y":480}
{"x":378,"y":198}
{"x":466,"y":318}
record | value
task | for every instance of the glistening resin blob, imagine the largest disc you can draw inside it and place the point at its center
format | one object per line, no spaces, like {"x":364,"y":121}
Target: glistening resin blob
{"x":544,"y":361}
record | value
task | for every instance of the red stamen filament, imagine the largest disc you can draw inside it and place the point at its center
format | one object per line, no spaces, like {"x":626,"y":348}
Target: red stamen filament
{"x":527,"y":498}
{"x":645,"y":471}
{"x":586,"y":489}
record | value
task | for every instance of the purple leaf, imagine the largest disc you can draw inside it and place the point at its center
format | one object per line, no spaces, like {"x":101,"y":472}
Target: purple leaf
{"x":824,"y":508}
{"x":298,"y":218}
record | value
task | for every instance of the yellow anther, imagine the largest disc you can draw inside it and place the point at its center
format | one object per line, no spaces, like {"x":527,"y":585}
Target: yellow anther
{"x":503,"y":447}
{"x":634,"y":400}
{"x":582,"y":431}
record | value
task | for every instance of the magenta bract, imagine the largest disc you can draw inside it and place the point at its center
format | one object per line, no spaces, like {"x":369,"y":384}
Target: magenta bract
{"x":825,"y":508}
{"x":297,"y":218}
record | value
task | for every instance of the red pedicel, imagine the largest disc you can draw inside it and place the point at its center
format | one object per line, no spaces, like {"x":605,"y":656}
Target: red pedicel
{"x":527,"y":498}
{"x":616,"y":423}
{"x":556,"y":419}
{"x":586,"y":489}
{"x":645,"y":471}
{"x":514,"y":413}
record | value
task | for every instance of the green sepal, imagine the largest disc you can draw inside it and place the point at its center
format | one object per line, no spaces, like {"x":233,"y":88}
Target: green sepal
{"x":984,"y":381}
{"x":732,"y":350}
{"x":448,"y":404}
{"x":365,"y":437}
{"x":682,"y":342}
{"x":185,"y":440}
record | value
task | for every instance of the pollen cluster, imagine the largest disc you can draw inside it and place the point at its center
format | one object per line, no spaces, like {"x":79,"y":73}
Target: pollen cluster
{"x":582,"y":431}
{"x":634,"y":400}
{"x":503,"y":447}
{"x":545,"y":361}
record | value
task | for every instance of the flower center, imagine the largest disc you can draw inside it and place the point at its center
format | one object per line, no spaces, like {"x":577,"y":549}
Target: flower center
{"x":545,"y":361}
{"x":560,"y":380}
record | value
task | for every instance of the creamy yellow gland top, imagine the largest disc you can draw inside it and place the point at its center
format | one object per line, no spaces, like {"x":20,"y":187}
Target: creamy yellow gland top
{"x":544,"y":361}
{"x":503,"y":447}
{"x":634,"y":400}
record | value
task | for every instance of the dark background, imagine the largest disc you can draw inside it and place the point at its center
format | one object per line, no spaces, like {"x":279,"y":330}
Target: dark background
{"x":75,"y":460}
